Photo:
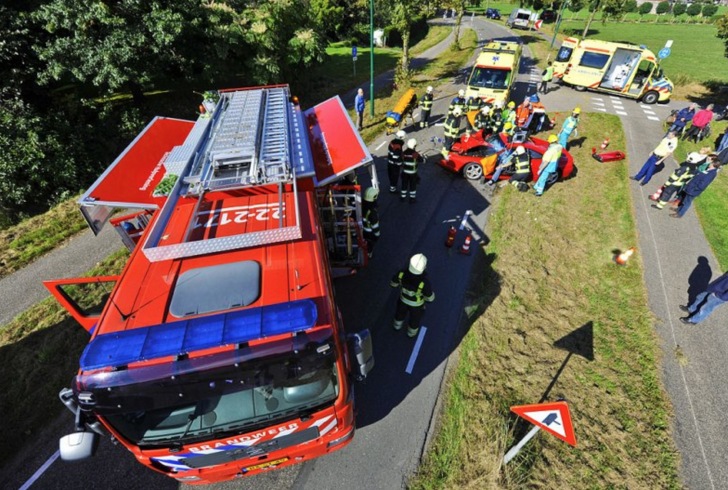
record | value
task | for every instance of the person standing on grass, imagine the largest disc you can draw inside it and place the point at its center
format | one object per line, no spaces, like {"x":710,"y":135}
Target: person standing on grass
{"x":697,"y":185}
{"x":569,"y":126}
{"x":546,"y":77}
{"x":359,"y":105}
{"x":714,"y":295}
{"x":667,"y":147}
{"x":549,"y":164}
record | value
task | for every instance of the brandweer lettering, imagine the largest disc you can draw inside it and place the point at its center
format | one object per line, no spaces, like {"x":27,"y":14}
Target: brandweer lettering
{"x":246,"y":438}
{"x":148,"y":182}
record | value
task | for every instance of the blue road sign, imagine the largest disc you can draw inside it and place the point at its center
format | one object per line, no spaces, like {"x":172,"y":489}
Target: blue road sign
{"x":664,"y":53}
{"x":353,"y":52}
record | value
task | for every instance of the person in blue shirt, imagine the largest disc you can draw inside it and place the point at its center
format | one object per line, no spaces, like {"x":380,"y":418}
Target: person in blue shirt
{"x":682,"y":118}
{"x":569,"y":127}
{"x":714,"y":295}
{"x":697,"y":185}
{"x":359,"y":105}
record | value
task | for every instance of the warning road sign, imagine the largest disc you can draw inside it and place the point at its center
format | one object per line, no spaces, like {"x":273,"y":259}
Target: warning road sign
{"x":552,"y":417}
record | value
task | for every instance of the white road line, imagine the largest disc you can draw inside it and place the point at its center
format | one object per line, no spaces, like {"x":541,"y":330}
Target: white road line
{"x":648,"y":112}
{"x":378,"y":147}
{"x":597,"y":98}
{"x":603,"y":109}
{"x":617,"y":103}
{"x":597,"y":102}
{"x":621,"y":113}
{"x":645,"y":106}
{"x":653,"y":118}
{"x":41,"y":470}
{"x":416,"y":350}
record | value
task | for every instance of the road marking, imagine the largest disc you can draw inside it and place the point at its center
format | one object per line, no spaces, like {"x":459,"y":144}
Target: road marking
{"x":41,"y":470}
{"x":651,"y":118}
{"x":648,"y":112}
{"x":381,"y":145}
{"x":597,"y":103}
{"x":617,"y":103}
{"x":416,"y":350}
{"x":439,"y":124}
{"x":597,"y":98}
{"x":603,"y":109}
{"x":621,"y":113}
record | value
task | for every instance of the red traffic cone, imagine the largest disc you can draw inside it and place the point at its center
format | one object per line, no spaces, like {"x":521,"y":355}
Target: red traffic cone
{"x":465,"y":249}
{"x":450,"y":240}
{"x":604,"y":144}
{"x":656,"y":195}
{"x":622,"y":258}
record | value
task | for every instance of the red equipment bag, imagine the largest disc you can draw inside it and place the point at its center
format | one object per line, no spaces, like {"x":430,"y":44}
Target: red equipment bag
{"x":608,"y":156}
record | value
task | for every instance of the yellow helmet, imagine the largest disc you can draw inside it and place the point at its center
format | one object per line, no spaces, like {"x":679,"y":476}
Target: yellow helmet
{"x":553,"y":138}
{"x":511,"y":105}
{"x":507,"y":126}
{"x":577,"y":110}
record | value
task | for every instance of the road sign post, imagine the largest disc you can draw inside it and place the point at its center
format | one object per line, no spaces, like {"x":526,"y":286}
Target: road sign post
{"x":554,"y":418}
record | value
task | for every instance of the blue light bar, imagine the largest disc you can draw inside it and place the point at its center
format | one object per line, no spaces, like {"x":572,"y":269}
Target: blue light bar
{"x":184,"y":336}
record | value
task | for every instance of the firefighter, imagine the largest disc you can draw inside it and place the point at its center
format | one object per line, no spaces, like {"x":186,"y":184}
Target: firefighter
{"x":482,"y":120}
{"x":549,"y":164}
{"x":496,"y":116}
{"x":415,"y":290}
{"x":410,"y":161}
{"x":426,"y":107}
{"x":522,"y":171}
{"x":394,"y":160}
{"x":679,"y":178}
{"x":569,"y":127}
{"x":457,"y":103}
{"x":474,"y":104}
{"x":508,"y":128}
{"x":452,"y":128}
{"x":370,"y":219}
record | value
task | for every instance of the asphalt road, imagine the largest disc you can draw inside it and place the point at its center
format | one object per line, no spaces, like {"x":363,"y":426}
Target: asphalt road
{"x":395,"y":409}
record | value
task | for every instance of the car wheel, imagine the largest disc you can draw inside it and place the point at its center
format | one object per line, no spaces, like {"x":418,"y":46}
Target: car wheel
{"x":473,"y":171}
{"x":650,"y":97}
{"x":553,"y":178}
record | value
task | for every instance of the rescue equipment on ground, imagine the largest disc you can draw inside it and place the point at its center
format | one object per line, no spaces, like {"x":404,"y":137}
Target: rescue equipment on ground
{"x":609,"y":156}
{"x":451,"y":233}
{"x":402,"y":110}
{"x":465,"y":249}
{"x":604,"y":144}
{"x":622,"y":258}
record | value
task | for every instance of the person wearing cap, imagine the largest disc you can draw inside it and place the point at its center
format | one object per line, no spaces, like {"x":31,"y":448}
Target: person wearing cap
{"x":678,"y":179}
{"x":415,"y":291}
{"x":664,"y":149}
{"x":359,"y":105}
{"x":697,"y":185}
{"x":452,"y":128}
{"x":457,"y":103}
{"x":410,"y":161}
{"x":394,"y":160}
{"x":426,"y":107}
{"x":370,"y":219}
{"x":569,"y":127}
{"x":549,"y":164}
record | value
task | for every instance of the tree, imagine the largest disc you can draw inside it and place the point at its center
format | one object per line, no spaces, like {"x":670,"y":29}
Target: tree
{"x":709,"y":10}
{"x":403,"y":15}
{"x":722,"y":26}
{"x":630,"y":6}
{"x":328,"y":16}
{"x":694,"y":9}
{"x":645,"y":8}
{"x":663,"y":7}
{"x":679,"y":8}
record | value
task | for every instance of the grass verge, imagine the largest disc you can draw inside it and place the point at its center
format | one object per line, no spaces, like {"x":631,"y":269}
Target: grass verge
{"x":558,"y":281}
{"x":44,"y":344}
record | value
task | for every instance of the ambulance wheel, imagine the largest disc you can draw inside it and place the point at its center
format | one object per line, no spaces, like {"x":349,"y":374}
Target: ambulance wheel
{"x":650,"y":97}
{"x":579,"y":88}
{"x":473,"y":171}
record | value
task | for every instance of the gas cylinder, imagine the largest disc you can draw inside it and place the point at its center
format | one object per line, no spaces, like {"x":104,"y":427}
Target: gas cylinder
{"x":451,"y":236}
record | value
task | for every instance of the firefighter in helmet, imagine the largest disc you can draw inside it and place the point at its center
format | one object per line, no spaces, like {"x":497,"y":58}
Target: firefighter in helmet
{"x":426,"y":107}
{"x":394,"y":159}
{"x":522,"y":172}
{"x":415,"y":290}
{"x":482,"y":120}
{"x":458,"y":103}
{"x":370,"y":219}
{"x":452,"y":128}
{"x":410,"y":161}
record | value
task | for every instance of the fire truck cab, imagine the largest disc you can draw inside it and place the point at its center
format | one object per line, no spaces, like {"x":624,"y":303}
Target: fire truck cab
{"x":495,"y":71}
{"x":220,"y":351}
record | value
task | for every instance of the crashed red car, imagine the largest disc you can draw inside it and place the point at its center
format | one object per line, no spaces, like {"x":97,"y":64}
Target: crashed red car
{"x":474,"y":156}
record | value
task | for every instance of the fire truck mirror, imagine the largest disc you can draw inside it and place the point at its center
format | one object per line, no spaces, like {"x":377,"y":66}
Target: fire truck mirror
{"x":78,"y":446}
{"x":361,"y":351}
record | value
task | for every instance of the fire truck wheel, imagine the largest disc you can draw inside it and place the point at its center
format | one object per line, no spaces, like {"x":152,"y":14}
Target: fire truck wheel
{"x":650,"y":97}
{"x":473,"y":171}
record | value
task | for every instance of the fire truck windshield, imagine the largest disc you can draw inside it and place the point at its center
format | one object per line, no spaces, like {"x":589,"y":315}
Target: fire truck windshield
{"x":198,"y":399}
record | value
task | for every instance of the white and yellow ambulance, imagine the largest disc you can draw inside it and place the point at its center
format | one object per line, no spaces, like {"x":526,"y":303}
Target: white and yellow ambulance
{"x":495,"y":71}
{"x":615,"y":68}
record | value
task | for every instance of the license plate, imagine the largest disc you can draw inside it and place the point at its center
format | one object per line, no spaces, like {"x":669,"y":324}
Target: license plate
{"x":267,"y":464}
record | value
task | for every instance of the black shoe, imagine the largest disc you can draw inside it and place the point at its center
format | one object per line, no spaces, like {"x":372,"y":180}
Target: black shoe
{"x":393,"y":190}
{"x":633,"y":178}
{"x":402,"y":198}
{"x":656,"y":206}
{"x":686,"y":320}
{"x":643,"y":184}
{"x":675,"y":215}
{"x":684,"y":308}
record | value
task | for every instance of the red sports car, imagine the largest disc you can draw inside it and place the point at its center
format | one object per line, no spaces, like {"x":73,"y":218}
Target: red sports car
{"x":474,"y":156}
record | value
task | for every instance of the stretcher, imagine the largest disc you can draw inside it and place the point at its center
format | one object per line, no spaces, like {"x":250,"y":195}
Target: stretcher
{"x":402,"y":110}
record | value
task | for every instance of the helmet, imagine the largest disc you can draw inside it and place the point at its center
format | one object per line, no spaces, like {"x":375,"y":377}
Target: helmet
{"x":401,"y":134}
{"x":461,"y":93}
{"x":508,"y":125}
{"x":485,"y":109}
{"x":520,"y":150}
{"x":695,"y":157}
{"x":553,"y":138}
{"x":371,"y":194}
{"x":457,"y":112}
{"x":511,"y":105}
{"x":577,"y":110}
{"x":411,"y":143}
{"x":417,"y":264}
{"x":499,"y":104}
{"x":429,"y":89}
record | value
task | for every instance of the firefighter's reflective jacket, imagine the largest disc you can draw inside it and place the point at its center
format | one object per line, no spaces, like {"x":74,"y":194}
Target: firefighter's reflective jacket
{"x":414,"y":289}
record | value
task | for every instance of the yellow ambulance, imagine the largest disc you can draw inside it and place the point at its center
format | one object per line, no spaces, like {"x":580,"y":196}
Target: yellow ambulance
{"x":495,"y":71}
{"x":615,"y":68}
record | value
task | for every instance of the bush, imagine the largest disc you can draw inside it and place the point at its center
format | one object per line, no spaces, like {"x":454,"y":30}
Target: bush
{"x":679,"y":8}
{"x":709,"y":10}
{"x":645,"y":8}
{"x":663,"y":7}
{"x":694,"y":9}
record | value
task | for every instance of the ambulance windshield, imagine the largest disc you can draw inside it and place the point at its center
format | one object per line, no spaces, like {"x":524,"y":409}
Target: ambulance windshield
{"x":492,"y":78}
{"x":216,"y":396}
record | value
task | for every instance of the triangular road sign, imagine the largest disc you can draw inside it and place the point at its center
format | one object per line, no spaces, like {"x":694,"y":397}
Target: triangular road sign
{"x":551,"y":417}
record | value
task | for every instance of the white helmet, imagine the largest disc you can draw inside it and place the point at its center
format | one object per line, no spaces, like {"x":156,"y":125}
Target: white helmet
{"x":520,"y":150}
{"x":430,"y":89}
{"x":499,"y":104}
{"x":411,"y":143}
{"x":695,"y":157}
{"x":371,"y":194}
{"x":457,"y":112}
{"x":485,"y":110}
{"x":418,"y":264}
{"x":461,"y":93}
{"x":401,"y":134}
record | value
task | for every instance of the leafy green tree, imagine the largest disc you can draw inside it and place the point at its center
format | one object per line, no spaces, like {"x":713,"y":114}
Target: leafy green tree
{"x":403,"y":14}
{"x":630,"y":6}
{"x":328,"y":17}
{"x":663,"y":7}
{"x":709,"y":10}
{"x":645,"y":8}
{"x":694,"y":9}
{"x":679,"y":8}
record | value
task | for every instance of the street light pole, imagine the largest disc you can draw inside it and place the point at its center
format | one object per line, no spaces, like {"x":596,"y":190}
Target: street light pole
{"x":371,"y":58}
{"x":558,"y":23}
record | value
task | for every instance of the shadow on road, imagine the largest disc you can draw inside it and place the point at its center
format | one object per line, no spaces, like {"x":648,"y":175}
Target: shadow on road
{"x":699,"y":279}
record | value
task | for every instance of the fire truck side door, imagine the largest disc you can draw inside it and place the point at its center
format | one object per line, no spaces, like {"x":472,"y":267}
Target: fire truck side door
{"x":83,"y":297}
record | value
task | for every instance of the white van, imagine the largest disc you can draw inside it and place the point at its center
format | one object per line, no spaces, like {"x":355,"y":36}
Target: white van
{"x":519,"y":18}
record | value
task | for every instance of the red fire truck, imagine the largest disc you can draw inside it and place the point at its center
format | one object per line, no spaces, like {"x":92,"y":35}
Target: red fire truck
{"x":219,"y":351}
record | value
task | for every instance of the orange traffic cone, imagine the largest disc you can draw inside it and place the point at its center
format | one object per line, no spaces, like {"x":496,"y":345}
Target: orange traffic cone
{"x":604,"y":144}
{"x":622,"y":258}
{"x":656,"y":195}
{"x":465,"y":249}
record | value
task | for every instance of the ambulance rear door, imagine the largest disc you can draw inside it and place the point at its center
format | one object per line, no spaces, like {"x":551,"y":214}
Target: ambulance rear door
{"x":564,"y":56}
